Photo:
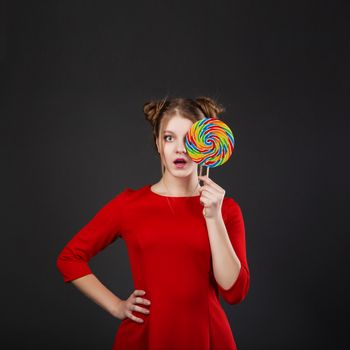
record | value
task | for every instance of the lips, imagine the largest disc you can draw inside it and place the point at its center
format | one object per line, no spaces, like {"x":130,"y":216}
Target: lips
{"x":180,"y":161}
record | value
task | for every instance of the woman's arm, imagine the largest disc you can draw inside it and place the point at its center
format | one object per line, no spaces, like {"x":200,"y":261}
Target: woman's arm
{"x":92,"y":288}
{"x":228,"y":245}
{"x":73,"y":260}
{"x":226,"y":264}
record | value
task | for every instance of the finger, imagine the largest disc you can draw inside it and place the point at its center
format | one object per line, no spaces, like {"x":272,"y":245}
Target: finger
{"x":210,"y":198}
{"x":134,"y":318}
{"x":203,"y":211}
{"x":142,"y":292}
{"x":140,"y":309}
{"x":140,"y":300}
{"x":209,"y":181}
{"x":208,"y":189}
{"x":204,"y":201}
{"x":139,"y":292}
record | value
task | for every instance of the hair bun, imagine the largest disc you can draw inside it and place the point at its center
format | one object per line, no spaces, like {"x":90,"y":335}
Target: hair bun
{"x":209,"y":106}
{"x":151,"y":110}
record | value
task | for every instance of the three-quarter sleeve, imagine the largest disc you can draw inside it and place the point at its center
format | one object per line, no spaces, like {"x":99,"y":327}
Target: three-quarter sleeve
{"x":103,"y":229}
{"x":235,"y":227}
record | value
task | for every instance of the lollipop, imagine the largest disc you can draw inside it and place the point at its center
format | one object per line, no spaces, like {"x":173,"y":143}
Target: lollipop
{"x":209,"y":142}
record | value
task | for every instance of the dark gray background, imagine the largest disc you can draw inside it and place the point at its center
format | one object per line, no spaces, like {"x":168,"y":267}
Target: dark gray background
{"x":74,"y":77}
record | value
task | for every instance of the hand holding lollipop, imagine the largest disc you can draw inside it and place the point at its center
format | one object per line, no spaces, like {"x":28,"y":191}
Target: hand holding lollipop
{"x":210,"y":142}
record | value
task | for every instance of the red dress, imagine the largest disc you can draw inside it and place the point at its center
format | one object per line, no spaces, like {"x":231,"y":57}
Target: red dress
{"x":170,"y":258}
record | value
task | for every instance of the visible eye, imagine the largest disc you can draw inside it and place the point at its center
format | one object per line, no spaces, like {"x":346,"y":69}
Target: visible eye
{"x":165,"y":137}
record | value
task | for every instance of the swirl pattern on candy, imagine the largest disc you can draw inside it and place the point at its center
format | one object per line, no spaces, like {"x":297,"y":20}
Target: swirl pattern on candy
{"x":209,"y":142}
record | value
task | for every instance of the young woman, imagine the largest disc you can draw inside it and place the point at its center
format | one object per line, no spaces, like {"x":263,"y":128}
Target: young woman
{"x":186,"y":245}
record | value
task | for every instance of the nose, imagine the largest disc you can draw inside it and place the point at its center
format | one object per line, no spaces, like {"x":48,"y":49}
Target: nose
{"x":180,"y":147}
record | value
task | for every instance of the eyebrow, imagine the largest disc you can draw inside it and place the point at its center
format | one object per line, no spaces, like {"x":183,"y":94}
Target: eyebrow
{"x":169,"y":131}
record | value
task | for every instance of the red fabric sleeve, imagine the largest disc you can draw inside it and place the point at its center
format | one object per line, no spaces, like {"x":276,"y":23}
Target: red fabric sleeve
{"x":103,"y":229}
{"x":235,"y":227}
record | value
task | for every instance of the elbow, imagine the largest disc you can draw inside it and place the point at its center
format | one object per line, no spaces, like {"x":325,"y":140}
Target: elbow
{"x":60,"y":265}
{"x":63,"y":268}
{"x":241,"y":293}
{"x":239,"y":290}
{"x":71,"y":268}
{"x":63,"y":260}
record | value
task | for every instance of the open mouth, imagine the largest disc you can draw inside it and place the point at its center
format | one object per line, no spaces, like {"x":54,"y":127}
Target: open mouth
{"x":180,"y":162}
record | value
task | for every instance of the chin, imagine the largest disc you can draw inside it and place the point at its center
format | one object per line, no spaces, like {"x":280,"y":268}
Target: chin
{"x":182,"y":173}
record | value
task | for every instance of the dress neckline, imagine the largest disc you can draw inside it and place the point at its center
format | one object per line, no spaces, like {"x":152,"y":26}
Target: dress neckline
{"x":160,"y":195}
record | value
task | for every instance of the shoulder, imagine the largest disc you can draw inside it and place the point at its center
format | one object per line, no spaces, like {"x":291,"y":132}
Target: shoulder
{"x":129,"y":194}
{"x":230,"y":202}
{"x":230,"y":208}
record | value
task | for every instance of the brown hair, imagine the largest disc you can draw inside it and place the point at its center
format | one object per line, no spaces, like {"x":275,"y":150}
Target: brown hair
{"x":159,"y":112}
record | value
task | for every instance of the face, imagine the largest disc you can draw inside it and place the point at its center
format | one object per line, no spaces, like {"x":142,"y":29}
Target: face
{"x":173,"y":139}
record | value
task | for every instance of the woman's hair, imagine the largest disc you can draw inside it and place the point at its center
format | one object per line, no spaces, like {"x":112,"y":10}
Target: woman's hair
{"x":159,"y":112}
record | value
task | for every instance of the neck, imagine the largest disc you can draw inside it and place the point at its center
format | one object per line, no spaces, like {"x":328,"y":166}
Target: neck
{"x":181,"y":186}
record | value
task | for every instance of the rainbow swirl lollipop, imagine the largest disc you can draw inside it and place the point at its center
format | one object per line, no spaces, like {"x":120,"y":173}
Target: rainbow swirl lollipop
{"x":209,"y":142}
